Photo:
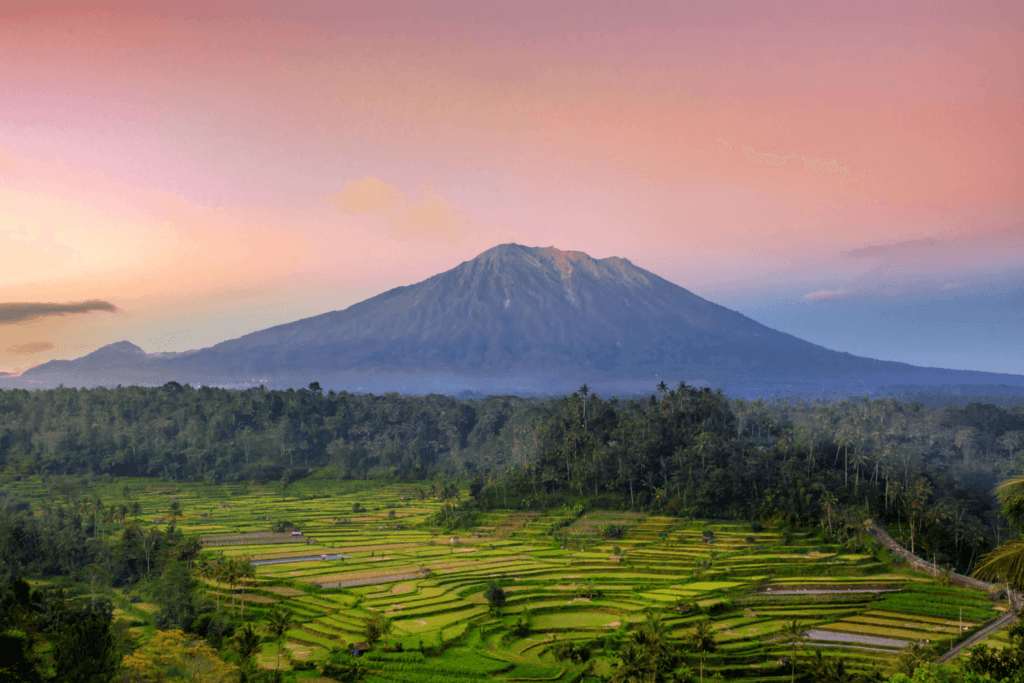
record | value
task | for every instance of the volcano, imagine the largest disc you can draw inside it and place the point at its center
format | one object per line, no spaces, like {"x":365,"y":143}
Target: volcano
{"x":521,"y":320}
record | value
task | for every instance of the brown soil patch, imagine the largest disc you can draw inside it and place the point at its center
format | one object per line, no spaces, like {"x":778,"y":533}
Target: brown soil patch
{"x":412,"y":623}
{"x":281,"y":590}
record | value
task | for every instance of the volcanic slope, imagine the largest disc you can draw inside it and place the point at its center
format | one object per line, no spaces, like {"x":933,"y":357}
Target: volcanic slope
{"x":519,"y":309}
{"x":515,"y":314}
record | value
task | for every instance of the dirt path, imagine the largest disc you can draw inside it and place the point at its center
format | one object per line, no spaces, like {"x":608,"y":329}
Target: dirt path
{"x":924,"y":565}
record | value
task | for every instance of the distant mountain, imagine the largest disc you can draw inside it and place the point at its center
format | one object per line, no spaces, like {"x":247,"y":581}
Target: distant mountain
{"x":524,"y":320}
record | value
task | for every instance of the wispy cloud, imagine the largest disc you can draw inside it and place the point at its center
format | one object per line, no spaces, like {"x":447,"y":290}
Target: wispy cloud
{"x":11,"y":313}
{"x":812,"y":164}
{"x":29,"y":348}
{"x":900,"y":250}
{"x":432,"y":218}
{"x":825,"y":294}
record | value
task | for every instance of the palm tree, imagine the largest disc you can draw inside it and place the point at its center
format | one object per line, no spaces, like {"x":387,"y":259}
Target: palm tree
{"x":245,"y":571}
{"x":702,"y":639}
{"x":793,"y":634}
{"x":278,"y":622}
{"x":632,"y":666}
{"x":246,"y":643}
{"x":205,"y":570}
{"x":174,"y":512}
{"x":227,"y":573}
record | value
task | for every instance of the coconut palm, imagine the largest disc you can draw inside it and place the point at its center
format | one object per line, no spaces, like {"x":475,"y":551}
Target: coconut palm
{"x":246,"y":643}
{"x":205,"y":571}
{"x":702,"y":639}
{"x":278,"y":622}
{"x":174,"y":511}
{"x":793,"y":634}
{"x":633,"y":666}
{"x":245,"y":571}
{"x":225,"y":572}
{"x":1007,"y":561}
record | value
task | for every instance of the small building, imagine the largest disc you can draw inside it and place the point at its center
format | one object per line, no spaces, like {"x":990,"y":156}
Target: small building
{"x":357,"y":649}
{"x":398,"y":527}
{"x":173,"y":500}
{"x":225,"y":506}
{"x":203,"y":515}
{"x":454,"y":540}
{"x":296,"y":533}
{"x":158,"y":520}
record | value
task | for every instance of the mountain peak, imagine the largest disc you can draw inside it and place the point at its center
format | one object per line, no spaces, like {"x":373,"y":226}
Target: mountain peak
{"x":518,"y":318}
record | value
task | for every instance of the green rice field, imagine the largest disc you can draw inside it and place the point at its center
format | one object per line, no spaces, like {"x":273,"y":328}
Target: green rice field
{"x":594,"y":591}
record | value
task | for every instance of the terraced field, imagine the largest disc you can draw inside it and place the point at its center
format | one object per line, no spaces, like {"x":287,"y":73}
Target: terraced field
{"x":382,"y":559}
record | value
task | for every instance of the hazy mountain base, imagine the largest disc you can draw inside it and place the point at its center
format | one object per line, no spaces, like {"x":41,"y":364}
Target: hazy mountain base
{"x":542,"y":384}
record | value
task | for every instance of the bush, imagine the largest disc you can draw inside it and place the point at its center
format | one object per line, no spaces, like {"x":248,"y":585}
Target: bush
{"x":495,"y":595}
{"x":612,"y":532}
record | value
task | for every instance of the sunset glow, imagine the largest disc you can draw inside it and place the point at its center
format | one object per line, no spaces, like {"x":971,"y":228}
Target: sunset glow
{"x":204,"y":170}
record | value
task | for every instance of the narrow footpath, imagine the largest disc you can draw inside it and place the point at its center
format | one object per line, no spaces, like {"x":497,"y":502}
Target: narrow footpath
{"x":924,"y":565}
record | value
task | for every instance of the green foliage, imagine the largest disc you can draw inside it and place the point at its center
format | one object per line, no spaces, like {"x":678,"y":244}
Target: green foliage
{"x":86,"y":650}
{"x":17,"y":664}
{"x":999,"y":664}
{"x":495,"y":595}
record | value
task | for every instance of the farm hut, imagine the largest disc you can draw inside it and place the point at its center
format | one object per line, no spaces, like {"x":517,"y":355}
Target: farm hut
{"x":173,"y":500}
{"x":296,"y":533}
{"x":203,"y":515}
{"x":453,"y":540}
{"x":158,"y":520}
{"x":225,"y":506}
{"x":358,"y":649}
{"x":398,"y":527}
{"x":707,"y":536}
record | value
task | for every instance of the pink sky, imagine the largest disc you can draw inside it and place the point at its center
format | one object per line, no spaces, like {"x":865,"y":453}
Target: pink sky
{"x":215,"y":168}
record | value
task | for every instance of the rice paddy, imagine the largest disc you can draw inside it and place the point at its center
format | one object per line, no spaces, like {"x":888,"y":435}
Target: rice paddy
{"x":336,"y":553}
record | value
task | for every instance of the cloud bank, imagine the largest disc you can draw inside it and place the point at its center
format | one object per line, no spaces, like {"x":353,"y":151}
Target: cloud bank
{"x":13,"y":313}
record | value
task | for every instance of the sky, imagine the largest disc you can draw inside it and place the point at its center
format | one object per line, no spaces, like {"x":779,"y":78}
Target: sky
{"x":179,"y":173}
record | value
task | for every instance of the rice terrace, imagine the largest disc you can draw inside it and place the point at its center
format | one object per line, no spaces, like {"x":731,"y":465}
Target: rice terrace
{"x":553,"y":595}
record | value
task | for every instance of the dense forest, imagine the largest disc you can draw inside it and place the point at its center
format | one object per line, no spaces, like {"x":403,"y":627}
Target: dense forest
{"x":926,"y":472}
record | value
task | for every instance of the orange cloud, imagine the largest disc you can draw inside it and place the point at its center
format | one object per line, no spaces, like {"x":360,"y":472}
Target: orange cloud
{"x":29,"y":348}
{"x":432,"y":218}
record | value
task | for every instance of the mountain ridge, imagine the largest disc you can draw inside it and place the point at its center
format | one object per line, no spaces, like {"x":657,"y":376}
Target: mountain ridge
{"x":517,"y":316}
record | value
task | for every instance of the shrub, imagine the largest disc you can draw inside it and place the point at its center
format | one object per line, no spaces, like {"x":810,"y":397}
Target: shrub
{"x":612,"y":532}
{"x":495,"y":595}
